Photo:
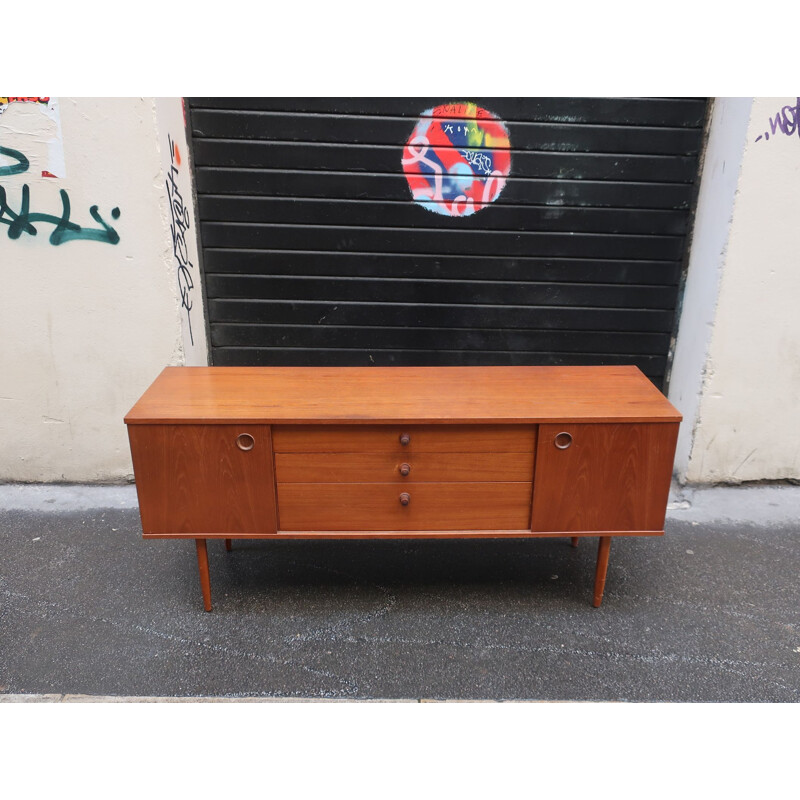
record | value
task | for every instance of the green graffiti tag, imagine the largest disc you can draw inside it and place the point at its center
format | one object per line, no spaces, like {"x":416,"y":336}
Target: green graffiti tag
{"x":21,"y":221}
{"x":13,"y":169}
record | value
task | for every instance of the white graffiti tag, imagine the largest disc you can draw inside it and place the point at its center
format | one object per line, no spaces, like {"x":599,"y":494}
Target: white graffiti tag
{"x":480,"y":161}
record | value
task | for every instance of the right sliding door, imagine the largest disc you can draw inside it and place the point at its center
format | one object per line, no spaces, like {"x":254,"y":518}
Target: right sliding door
{"x":603,"y":476}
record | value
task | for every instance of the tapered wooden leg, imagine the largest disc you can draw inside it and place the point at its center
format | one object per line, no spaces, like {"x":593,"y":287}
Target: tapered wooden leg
{"x":205,"y":579}
{"x":602,"y":566}
{"x":575,"y":541}
{"x":228,"y":544}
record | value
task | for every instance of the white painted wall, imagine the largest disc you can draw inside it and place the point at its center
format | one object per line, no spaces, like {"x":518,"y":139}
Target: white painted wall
{"x":747,"y":416}
{"x":85,"y":325}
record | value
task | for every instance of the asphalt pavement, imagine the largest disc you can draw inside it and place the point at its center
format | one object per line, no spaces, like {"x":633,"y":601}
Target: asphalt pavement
{"x":708,"y":613}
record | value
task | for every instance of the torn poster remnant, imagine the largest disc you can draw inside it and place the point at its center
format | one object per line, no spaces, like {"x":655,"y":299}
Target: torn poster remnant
{"x":54,"y":166}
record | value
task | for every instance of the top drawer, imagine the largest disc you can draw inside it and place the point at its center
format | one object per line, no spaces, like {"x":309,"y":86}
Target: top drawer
{"x":403,"y":438}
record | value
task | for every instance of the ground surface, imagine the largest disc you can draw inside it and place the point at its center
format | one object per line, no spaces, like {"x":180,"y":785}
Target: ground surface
{"x":710,"y":612}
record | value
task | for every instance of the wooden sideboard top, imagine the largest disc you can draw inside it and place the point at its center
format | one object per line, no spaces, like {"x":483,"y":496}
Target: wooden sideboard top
{"x":401,"y":395}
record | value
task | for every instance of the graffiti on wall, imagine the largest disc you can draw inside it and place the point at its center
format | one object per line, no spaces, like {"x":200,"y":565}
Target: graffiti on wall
{"x":47,"y":129}
{"x":457,"y":159}
{"x":179,"y":224}
{"x":6,"y":101}
{"x":785,"y":121}
{"x":14,"y":162}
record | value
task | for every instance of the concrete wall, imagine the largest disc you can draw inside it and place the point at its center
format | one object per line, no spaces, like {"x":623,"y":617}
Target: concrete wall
{"x":88,"y":317}
{"x":740,"y":323}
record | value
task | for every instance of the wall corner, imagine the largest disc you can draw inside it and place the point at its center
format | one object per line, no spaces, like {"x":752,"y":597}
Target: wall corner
{"x":722,"y":162}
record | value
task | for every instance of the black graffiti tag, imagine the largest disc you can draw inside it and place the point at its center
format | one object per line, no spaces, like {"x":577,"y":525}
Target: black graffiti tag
{"x":178,"y":227}
{"x":21,"y":221}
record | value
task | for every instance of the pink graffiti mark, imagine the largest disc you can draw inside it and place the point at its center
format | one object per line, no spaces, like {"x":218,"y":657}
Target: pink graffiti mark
{"x":418,"y":156}
{"x":493,"y":186}
{"x":787,"y":121}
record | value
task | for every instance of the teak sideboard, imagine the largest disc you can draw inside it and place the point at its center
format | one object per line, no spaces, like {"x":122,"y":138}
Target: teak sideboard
{"x":357,"y":452}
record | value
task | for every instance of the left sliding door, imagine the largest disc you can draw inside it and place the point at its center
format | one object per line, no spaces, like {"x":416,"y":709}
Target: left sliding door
{"x":198,"y":480}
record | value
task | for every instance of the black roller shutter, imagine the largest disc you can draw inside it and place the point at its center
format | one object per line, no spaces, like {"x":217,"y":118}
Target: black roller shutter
{"x":314,"y":252}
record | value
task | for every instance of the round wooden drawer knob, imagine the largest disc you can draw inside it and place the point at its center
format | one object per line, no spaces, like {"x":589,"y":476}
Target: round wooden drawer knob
{"x":244,"y":441}
{"x":405,"y":469}
{"x":405,"y":498}
{"x":405,"y":438}
{"x":563,"y":440}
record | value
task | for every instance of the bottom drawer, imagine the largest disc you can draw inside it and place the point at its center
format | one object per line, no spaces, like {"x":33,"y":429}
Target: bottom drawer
{"x":378,"y":506}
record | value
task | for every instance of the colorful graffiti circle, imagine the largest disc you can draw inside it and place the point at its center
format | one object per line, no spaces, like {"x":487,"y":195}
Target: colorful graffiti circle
{"x":457,"y":159}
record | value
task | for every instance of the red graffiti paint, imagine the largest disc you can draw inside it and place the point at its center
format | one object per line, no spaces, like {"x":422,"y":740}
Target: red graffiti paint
{"x":457,"y":159}
{"x":5,"y":102}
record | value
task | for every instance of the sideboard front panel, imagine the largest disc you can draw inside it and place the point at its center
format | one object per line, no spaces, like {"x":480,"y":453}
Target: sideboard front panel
{"x":603,"y":477}
{"x":404,"y":477}
{"x":197,"y":479}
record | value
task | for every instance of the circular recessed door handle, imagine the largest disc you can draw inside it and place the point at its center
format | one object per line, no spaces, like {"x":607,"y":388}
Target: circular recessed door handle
{"x":244,"y":441}
{"x":405,"y":499}
{"x":563,"y":440}
{"x":405,"y":469}
{"x":405,"y":438}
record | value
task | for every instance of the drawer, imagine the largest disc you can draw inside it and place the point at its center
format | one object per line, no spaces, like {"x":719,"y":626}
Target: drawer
{"x":386,"y":467}
{"x":420,"y":438}
{"x":377,"y":506}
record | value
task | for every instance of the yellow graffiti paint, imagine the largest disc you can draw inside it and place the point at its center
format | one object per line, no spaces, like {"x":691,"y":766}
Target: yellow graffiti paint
{"x":497,"y":141}
{"x":475,"y":136}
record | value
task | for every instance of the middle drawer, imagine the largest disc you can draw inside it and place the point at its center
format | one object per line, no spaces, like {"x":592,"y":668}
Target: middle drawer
{"x":402,"y":468}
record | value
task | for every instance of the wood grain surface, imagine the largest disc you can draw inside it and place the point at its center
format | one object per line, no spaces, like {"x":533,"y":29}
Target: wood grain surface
{"x":442,"y":395}
{"x":376,"y":506}
{"x":601,"y":569}
{"x":193,"y":479}
{"x":426,"y":533}
{"x":611,"y":478}
{"x":385,"y":467}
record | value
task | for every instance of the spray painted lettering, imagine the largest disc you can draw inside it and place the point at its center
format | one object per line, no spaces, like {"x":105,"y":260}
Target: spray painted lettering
{"x":178,"y":227}
{"x":787,"y":121}
{"x":21,"y":221}
{"x":478,"y":160}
